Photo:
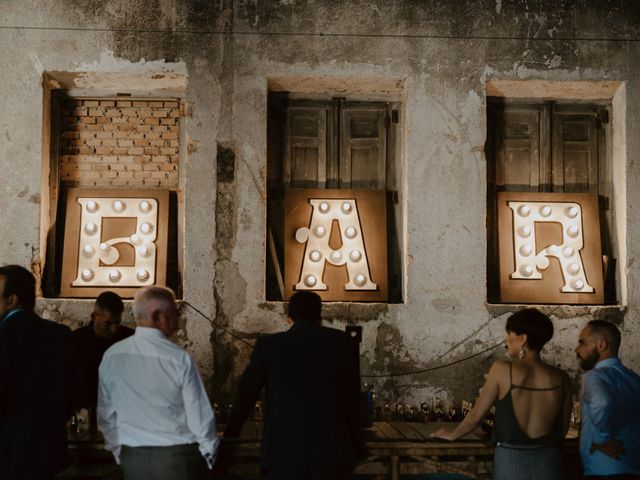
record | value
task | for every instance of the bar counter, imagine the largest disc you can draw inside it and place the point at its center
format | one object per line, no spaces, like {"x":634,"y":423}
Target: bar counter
{"x":393,"y":449}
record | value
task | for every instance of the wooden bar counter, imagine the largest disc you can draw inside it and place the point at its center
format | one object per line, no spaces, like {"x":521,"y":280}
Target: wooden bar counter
{"x":393,"y":449}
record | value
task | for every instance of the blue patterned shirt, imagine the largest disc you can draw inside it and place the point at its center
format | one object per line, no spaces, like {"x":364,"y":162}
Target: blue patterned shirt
{"x":610,"y":408}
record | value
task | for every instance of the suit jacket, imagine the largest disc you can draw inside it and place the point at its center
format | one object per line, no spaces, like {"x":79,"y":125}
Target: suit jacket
{"x":90,"y":349}
{"x":311,"y":414}
{"x":39,"y":382}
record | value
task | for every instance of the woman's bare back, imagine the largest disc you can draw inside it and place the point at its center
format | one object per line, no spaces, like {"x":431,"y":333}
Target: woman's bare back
{"x":538,"y":394}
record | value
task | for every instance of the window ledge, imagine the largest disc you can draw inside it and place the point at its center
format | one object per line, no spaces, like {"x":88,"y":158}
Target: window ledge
{"x":614,"y":313}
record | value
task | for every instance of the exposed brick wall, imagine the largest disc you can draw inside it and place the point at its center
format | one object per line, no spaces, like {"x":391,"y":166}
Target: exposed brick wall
{"x":110,"y":142}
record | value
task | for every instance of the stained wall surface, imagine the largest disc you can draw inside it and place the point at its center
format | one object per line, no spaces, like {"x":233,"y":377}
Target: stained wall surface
{"x":438,"y":57}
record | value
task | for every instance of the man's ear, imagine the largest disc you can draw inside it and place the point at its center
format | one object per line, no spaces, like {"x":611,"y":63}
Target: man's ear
{"x":602,"y":345}
{"x":156,"y":317}
{"x":13,"y":301}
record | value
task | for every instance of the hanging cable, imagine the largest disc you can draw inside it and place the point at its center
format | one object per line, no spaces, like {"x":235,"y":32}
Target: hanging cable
{"x":216,"y":325}
{"x":424,"y":370}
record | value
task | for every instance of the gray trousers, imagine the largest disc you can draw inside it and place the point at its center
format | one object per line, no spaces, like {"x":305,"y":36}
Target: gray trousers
{"x":177,"y":462}
{"x":530,"y":462}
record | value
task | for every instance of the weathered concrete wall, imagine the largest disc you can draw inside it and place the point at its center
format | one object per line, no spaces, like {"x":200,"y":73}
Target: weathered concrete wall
{"x":442,"y":53}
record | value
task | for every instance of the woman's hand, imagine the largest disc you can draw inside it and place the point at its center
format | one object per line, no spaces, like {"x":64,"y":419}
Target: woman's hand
{"x":444,"y":434}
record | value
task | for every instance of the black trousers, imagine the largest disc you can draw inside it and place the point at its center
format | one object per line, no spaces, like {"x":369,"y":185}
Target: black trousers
{"x":177,"y":462}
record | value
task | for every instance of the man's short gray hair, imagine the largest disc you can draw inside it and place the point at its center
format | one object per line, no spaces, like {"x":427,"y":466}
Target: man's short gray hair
{"x":152,"y":299}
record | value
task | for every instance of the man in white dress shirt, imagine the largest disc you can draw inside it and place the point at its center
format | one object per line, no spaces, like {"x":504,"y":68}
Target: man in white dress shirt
{"x":152,"y":406}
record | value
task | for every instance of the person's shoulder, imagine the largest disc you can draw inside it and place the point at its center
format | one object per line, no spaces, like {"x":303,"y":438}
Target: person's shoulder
{"x":500,"y":366}
{"x":124,"y":332}
{"x":122,"y":346}
{"x":334,"y":334}
{"x":59,"y":328}
{"x":81,"y":332}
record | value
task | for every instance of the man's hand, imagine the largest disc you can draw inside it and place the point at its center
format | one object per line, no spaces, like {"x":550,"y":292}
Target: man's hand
{"x":612,"y":448}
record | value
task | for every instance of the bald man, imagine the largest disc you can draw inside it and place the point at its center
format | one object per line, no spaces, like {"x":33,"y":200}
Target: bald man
{"x":152,"y":406}
{"x":610,"y":406}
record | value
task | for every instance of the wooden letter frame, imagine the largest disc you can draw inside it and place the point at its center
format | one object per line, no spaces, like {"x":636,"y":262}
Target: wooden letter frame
{"x":548,"y":289}
{"x":72,"y":236}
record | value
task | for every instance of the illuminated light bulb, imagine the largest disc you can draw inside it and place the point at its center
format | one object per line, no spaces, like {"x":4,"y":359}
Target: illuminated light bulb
{"x":324,"y":207}
{"x":350,"y":232}
{"x":88,"y":250}
{"x":573,"y":268}
{"x":572,"y":212}
{"x":315,"y":256}
{"x":524,"y":211}
{"x":360,"y":279}
{"x":105,"y":247}
{"x":92,"y":206}
{"x":526,"y":270}
{"x":142,"y":274}
{"x":118,"y":206}
{"x":145,"y":206}
{"x":545,"y":211}
{"x":526,"y":250}
{"x":114,"y":275}
{"x":90,"y":228}
{"x":145,"y":227}
{"x":553,"y":249}
{"x":310,"y":281}
{"x":355,"y":255}
{"x":573,"y":231}
{"x":346,"y":207}
{"x":525,"y":231}
{"x":568,"y":252}
{"x":134,"y":238}
{"x":578,"y":284}
{"x":336,"y":256}
{"x":86,"y":274}
{"x":320,"y":231}
{"x":143,"y":251}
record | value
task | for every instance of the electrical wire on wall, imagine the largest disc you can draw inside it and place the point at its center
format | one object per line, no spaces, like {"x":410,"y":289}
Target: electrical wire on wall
{"x":380,"y":375}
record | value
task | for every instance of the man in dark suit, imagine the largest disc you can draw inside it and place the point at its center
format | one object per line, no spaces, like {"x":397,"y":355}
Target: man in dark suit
{"x":92,"y":340}
{"x":311,"y":421}
{"x":38,"y":383}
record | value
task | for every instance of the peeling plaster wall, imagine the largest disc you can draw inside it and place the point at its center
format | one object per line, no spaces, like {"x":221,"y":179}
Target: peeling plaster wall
{"x":442,"y":54}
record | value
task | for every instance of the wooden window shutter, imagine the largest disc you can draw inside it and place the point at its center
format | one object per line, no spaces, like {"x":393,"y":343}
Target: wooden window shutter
{"x":521,"y":149}
{"x":363,"y":145}
{"x":305,"y":152}
{"x":575,"y":153}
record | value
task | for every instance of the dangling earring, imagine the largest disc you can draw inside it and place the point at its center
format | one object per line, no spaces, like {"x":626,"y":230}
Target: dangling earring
{"x":522,"y":353}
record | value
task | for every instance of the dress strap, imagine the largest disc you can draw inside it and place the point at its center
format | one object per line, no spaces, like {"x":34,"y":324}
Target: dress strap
{"x":510,"y":377}
{"x":522,"y":387}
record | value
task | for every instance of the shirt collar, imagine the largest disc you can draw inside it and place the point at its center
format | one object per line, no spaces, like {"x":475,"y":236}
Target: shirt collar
{"x":608,"y":362}
{"x":10,"y":314}
{"x":149,"y":332}
{"x":303,"y":323}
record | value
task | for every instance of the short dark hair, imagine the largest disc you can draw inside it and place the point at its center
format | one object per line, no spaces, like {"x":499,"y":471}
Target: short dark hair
{"x":305,"y":306}
{"x":535,"y":324}
{"x":19,"y":282}
{"x":608,"y":331}
{"x":111,"y":302}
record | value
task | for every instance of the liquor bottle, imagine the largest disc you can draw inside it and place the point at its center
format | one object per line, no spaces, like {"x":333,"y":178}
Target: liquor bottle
{"x":366,"y":406}
{"x":399,"y":413}
{"x":386,"y":411}
{"x":257,"y":411}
